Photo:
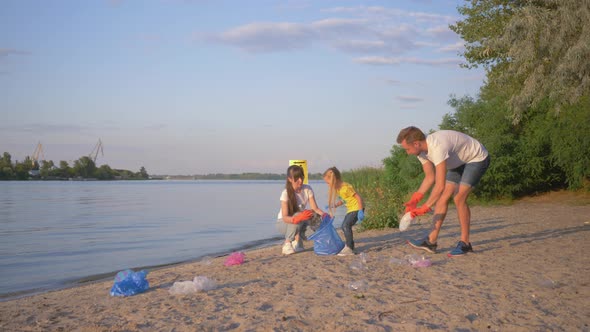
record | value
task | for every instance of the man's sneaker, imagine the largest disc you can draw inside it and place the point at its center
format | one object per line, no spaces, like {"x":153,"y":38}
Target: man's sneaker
{"x":288,"y":249}
{"x":297,"y":246}
{"x":346,"y":251}
{"x":423,"y":244}
{"x":461,"y":249}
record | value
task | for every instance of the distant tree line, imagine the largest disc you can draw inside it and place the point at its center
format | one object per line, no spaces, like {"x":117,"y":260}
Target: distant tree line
{"x":83,"y":168}
{"x":250,"y":176}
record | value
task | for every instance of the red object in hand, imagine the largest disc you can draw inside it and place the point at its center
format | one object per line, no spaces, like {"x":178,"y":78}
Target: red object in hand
{"x":424,"y":209}
{"x":303,"y":216}
{"x":413,"y":202}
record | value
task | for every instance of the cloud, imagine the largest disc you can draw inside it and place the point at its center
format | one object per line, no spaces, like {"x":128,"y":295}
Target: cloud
{"x":10,"y":51}
{"x":361,"y":46}
{"x":339,"y":25}
{"x":268,"y":37}
{"x":392,"y":81}
{"x":380,"y":34}
{"x":43,"y":128}
{"x":442,"y":32}
{"x":390,"y":13}
{"x":456,"y":47}
{"x":158,"y":126}
{"x":380,"y":60}
{"x":408,"y":107}
{"x":409,"y":99}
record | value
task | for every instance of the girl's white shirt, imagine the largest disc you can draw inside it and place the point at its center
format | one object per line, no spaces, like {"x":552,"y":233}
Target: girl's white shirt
{"x":303,"y":198}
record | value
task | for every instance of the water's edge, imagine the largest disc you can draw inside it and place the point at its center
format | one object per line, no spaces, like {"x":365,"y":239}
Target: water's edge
{"x":258,"y":244}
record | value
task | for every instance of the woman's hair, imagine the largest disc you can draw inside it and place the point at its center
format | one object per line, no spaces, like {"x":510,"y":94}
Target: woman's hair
{"x":410,"y":134}
{"x":294,"y":172}
{"x":333,"y":178}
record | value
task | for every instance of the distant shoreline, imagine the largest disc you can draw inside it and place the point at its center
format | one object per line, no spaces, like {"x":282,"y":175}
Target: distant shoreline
{"x":233,"y":176}
{"x":243,"y":176}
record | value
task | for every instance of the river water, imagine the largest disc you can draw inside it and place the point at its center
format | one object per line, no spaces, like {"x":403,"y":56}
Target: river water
{"x":58,"y":233}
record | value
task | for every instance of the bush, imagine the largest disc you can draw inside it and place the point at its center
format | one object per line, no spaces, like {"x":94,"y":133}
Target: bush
{"x":382,"y":201}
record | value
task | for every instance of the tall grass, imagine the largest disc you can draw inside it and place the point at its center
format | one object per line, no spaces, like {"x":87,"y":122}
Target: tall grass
{"x":382,"y":201}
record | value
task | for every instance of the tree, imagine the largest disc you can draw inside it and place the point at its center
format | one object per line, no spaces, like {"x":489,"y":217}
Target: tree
{"x":6,"y":171}
{"x":104,"y":172}
{"x":143,"y":173}
{"x":537,"y":49}
{"x":46,"y":168}
{"x":22,"y":169}
{"x":64,"y":170}
{"x":84,"y":167}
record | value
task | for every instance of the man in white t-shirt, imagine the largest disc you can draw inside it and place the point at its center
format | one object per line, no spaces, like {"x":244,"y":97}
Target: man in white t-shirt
{"x":454,"y":163}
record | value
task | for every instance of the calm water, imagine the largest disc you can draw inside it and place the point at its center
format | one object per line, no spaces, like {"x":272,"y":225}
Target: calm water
{"x":55,"y":233}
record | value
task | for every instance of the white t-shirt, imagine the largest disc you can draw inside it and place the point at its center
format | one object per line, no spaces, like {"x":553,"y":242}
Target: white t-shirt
{"x":303,"y":198}
{"x":454,"y":147}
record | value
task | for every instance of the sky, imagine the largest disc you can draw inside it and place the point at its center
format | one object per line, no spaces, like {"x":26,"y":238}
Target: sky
{"x":216,"y":86}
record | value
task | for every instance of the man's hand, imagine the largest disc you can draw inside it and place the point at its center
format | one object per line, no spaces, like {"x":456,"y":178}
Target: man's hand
{"x":424,"y":209}
{"x":413,"y":202}
{"x":303,"y":216}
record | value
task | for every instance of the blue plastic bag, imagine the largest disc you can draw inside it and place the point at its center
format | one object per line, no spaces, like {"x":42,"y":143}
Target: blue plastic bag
{"x":129,"y":283}
{"x":326,"y":240}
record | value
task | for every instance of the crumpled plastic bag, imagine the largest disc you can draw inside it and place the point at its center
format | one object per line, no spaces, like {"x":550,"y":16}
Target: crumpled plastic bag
{"x":129,"y":283}
{"x":199,"y":283}
{"x":418,"y":260}
{"x":405,"y":222}
{"x":235,"y":258}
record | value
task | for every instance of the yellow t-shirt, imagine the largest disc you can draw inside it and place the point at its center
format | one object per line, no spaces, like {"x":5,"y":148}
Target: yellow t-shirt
{"x":346,"y":193}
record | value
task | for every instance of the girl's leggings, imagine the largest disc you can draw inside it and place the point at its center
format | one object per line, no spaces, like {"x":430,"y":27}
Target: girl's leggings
{"x":349,"y":220}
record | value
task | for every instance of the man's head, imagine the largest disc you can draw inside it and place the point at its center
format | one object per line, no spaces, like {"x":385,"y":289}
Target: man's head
{"x":411,"y":139}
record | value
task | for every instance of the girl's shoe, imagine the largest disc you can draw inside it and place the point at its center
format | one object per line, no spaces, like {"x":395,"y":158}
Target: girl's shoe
{"x":297,"y":246}
{"x":346,"y":251}
{"x":288,"y":249}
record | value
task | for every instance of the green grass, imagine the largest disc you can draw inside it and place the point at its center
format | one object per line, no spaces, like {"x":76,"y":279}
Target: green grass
{"x":383,"y":202}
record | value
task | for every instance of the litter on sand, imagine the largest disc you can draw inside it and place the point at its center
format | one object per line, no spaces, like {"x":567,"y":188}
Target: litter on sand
{"x":129,"y":283}
{"x":199,"y":283}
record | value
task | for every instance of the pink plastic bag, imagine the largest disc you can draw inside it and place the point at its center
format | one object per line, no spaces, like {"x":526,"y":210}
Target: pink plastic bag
{"x":235,"y":258}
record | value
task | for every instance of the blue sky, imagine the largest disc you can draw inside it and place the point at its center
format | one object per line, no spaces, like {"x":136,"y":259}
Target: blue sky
{"x":207,"y":86}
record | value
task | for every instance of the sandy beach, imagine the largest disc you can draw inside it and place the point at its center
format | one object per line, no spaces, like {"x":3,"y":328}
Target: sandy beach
{"x":529,"y":272}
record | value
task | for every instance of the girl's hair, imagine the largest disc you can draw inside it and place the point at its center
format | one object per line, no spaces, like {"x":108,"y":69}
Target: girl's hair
{"x":334,"y":178}
{"x":294,"y":172}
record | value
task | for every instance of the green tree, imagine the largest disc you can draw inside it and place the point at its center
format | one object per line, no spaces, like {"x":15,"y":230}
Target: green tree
{"x":570,"y":145}
{"x":64,"y":169}
{"x":84,"y":167}
{"x":21,"y":169}
{"x":46,"y":168}
{"x":6,"y":169}
{"x":538,"y":49}
{"x":143,"y":174}
{"x":104,"y":172}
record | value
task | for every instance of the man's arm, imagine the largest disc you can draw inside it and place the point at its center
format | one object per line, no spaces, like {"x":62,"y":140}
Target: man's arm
{"x":439,"y":175}
{"x":429,"y":179}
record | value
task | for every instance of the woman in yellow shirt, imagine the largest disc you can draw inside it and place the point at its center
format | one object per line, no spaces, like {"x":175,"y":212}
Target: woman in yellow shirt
{"x":340,"y":193}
